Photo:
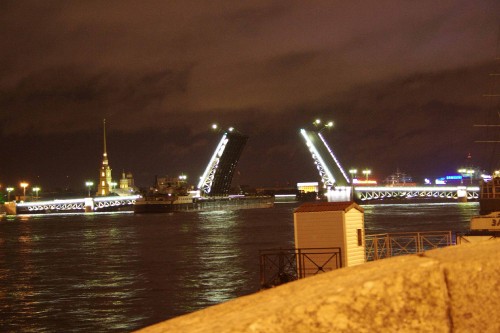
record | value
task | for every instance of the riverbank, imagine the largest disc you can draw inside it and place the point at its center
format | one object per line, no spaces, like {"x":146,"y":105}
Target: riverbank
{"x":453,"y":289}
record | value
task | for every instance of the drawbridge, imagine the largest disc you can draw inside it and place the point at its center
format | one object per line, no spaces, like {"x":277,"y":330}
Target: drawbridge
{"x":218,"y":175}
{"x":333,"y":176}
{"x":338,"y":186}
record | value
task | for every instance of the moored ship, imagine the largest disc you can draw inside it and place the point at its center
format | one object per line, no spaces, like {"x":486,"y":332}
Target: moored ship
{"x":169,"y":204}
{"x":489,"y":196}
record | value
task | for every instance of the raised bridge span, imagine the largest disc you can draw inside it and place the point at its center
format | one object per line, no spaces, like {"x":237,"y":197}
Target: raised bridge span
{"x":338,"y":186}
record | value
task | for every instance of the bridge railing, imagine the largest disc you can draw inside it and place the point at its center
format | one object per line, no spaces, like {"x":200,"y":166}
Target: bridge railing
{"x":380,"y":246}
{"x":279,"y":266}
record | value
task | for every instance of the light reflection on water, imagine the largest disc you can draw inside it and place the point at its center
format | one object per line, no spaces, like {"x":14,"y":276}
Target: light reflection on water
{"x":119,"y":272}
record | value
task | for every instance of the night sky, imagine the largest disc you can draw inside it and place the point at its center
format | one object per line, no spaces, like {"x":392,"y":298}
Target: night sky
{"x":402,"y":80}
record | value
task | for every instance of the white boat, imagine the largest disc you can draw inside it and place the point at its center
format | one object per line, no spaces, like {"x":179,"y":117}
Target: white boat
{"x":489,"y":223}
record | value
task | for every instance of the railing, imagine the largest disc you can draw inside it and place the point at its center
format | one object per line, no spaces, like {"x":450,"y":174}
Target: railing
{"x":279,"y":266}
{"x":66,"y":205}
{"x":387,"y":245}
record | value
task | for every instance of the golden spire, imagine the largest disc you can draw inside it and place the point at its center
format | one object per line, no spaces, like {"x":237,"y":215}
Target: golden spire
{"x":105,"y":155}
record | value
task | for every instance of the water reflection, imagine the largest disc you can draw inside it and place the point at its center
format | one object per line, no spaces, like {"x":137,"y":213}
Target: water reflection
{"x":216,"y":242}
{"x":419,"y":217}
{"x":66,"y":267}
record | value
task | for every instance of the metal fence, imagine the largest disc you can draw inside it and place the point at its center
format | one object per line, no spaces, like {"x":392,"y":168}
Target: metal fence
{"x":278,"y":266}
{"x":387,"y":245}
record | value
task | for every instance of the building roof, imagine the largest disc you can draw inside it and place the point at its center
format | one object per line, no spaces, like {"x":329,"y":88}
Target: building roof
{"x":328,"y":206}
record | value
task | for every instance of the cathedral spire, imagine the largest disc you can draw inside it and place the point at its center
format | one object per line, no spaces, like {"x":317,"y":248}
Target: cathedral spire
{"x":104,"y":187}
{"x":104,"y":126}
{"x":105,"y":154}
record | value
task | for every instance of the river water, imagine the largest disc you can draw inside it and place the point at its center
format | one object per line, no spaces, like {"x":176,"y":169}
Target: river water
{"x":117,"y":272}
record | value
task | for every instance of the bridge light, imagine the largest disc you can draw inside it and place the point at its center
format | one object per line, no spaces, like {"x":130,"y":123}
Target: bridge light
{"x":215,"y":126}
{"x":89,"y":184}
{"x":9,"y":189}
{"x":24,"y":185}
{"x":231,"y":129}
{"x":367,"y":172}
{"x":36,"y":190}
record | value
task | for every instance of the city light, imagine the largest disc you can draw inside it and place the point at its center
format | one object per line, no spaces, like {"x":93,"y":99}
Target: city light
{"x":367,"y":172}
{"x":9,"y":189}
{"x":36,"y":189}
{"x":24,"y":185}
{"x":467,"y":172}
{"x":317,"y":123}
{"x":89,"y":184}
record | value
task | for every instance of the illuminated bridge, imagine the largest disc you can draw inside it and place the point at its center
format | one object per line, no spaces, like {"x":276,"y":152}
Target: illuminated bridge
{"x":77,"y":205}
{"x":338,"y":185}
{"x":218,"y":175}
{"x":367,"y":193}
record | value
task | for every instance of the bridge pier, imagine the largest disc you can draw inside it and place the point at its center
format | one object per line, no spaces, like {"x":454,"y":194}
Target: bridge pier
{"x":10,"y":208}
{"x":339,"y":194}
{"x":462,"y":194}
{"x":89,"y":205}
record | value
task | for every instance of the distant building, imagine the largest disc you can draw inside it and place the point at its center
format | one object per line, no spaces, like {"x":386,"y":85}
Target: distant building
{"x":127,"y":180}
{"x":308,"y":187}
{"x":126,"y":185}
{"x":171,"y":185}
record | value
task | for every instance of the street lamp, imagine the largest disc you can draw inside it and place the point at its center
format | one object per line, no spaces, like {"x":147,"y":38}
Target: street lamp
{"x":9,"y":189}
{"x":353,"y":173}
{"x":36,"y":189}
{"x":24,"y":185}
{"x":467,"y":172}
{"x":89,"y":184}
{"x":367,"y":172}
{"x":471,"y":172}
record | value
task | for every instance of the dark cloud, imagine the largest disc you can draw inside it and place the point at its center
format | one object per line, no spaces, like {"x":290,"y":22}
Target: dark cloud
{"x":402,"y":81}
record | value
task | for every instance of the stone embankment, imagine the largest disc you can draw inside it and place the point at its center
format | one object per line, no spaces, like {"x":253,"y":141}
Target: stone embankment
{"x":454,"y":289}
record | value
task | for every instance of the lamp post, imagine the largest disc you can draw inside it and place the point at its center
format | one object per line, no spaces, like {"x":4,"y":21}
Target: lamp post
{"x":461,"y":177}
{"x":24,"y":185}
{"x":9,"y":189}
{"x":471,"y":173}
{"x":89,"y":184}
{"x":36,"y":189}
{"x":367,"y":172}
{"x":467,"y":172}
{"x":353,"y":173}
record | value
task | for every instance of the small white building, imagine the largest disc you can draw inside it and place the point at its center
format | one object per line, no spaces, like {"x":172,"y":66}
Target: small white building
{"x":329,"y":225}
